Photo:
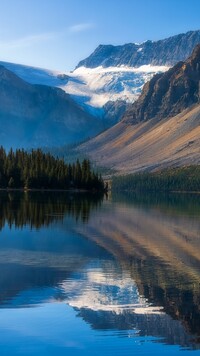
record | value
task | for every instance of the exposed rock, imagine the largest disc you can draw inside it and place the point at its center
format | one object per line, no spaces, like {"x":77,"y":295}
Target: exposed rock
{"x":163,"y":52}
{"x":169,"y":93}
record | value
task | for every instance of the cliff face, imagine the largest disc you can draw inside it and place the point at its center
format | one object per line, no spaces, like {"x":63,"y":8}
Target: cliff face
{"x":163,"y":52}
{"x":169,"y":93}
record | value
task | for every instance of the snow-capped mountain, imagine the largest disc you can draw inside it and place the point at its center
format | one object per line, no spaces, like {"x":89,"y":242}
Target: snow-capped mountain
{"x":113,"y":74}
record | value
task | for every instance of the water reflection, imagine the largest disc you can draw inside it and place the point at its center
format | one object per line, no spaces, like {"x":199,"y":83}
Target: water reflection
{"x":38,"y":209}
{"x":128,"y":265}
{"x":157,"y":240}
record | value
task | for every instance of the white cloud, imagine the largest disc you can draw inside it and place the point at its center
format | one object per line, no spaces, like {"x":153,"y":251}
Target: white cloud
{"x":80,"y":27}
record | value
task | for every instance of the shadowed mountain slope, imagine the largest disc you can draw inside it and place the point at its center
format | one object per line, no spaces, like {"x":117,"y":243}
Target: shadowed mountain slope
{"x":39,"y":115}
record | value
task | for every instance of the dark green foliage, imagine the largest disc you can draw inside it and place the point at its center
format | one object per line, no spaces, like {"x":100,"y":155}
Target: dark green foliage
{"x":38,"y":170}
{"x":172,"y":179}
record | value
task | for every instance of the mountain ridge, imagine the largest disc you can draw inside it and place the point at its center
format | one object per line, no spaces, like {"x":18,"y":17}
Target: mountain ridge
{"x":166,"y":52}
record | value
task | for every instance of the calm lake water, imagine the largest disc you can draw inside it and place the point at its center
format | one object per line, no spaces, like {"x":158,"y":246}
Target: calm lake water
{"x":83,"y":275}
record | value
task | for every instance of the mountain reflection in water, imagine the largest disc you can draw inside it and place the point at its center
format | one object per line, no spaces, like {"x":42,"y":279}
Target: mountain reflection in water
{"x":130,"y":264}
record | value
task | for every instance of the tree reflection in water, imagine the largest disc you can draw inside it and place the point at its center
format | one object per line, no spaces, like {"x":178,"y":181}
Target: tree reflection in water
{"x":41,"y":208}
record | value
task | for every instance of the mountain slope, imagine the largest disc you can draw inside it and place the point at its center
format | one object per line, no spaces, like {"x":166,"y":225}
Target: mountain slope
{"x":148,"y":145}
{"x":151,"y":133}
{"x":37,"y":115}
{"x":163,"y":52}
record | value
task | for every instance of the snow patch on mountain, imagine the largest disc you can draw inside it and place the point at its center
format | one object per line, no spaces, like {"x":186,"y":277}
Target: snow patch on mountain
{"x":34,"y":75}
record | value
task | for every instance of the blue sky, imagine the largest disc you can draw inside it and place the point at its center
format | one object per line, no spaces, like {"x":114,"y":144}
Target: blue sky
{"x":56,"y":34}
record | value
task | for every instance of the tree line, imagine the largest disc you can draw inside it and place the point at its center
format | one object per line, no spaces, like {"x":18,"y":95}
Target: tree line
{"x":171,"y":179}
{"x":39,"y":170}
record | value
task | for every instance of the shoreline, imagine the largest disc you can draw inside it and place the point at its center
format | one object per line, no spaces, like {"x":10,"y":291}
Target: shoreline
{"x":97,"y":191}
{"x":156,"y":191}
{"x":49,"y":190}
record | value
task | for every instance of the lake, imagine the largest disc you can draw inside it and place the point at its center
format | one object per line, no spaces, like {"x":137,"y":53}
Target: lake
{"x":91,"y":275}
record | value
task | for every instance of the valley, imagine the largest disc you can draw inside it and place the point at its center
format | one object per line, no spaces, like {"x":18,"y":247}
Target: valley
{"x":134,"y":106}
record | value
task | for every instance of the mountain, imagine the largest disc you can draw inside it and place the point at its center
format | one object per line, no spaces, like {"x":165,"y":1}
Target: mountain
{"x":113,"y":74}
{"x":39,"y":115}
{"x":165,"y":52}
{"x":152,"y":135}
{"x":92,"y":89}
{"x":116,"y":74}
{"x":95,"y":98}
{"x":170,"y":93}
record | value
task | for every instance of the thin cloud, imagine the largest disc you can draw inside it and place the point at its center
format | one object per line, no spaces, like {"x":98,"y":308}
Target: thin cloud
{"x":80,"y":27}
{"x":27,"y":41}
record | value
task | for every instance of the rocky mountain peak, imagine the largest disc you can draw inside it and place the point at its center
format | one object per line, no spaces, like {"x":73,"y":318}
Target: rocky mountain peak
{"x":163,"y":52}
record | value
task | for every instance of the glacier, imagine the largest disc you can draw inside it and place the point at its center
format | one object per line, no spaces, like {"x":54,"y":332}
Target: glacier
{"x":97,"y":86}
{"x":92,"y":88}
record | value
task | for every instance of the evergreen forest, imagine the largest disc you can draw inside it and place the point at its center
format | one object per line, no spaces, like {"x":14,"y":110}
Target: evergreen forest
{"x":171,"y":179}
{"x":39,"y":170}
